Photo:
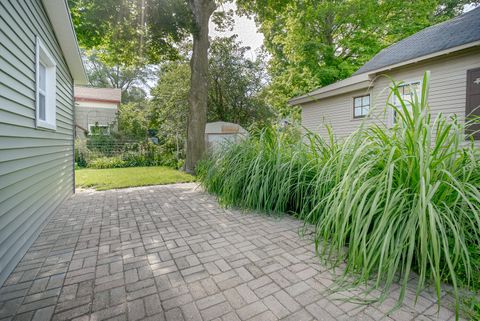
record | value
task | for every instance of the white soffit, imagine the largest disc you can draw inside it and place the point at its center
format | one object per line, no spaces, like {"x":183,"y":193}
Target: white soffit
{"x":59,"y":15}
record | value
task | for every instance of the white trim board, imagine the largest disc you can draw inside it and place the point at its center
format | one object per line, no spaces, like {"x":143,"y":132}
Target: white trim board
{"x":59,"y":15}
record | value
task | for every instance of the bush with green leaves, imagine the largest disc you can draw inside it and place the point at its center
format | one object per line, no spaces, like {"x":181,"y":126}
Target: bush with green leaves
{"x":148,"y":154}
{"x":81,"y":153}
{"x":101,"y":143}
{"x":121,"y":154}
{"x":107,"y":162}
{"x":385,"y":202}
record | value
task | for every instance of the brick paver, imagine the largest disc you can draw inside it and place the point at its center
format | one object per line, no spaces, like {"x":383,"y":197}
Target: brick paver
{"x":172,"y":253}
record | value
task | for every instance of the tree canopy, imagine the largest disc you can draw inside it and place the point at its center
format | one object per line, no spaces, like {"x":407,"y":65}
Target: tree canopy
{"x":314,"y":43}
{"x":235,"y":95}
{"x":139,"y":32}
{"x":131,"y":32}
{"x":235,"y":89}
{"x":308,"y":43}
{"x":132,"y":80}
{"x":235,"y":84}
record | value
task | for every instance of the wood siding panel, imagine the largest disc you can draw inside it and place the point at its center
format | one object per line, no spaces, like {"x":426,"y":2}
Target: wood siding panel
{"x":447,"y":94}
{"x":36,"y":166}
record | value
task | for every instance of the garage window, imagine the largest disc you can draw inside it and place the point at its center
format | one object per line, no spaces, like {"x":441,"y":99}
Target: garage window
{"x":361,"y":106}
{"x":408,"y":92}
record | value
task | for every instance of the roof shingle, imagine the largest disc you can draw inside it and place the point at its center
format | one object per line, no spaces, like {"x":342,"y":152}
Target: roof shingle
{"x":458,"y":31}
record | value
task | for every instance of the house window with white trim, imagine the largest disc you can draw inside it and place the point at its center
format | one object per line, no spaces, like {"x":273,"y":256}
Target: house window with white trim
{"x":407,"y":92}
{"x":96,"y":129}
{"x":361,"y":106}
{"x":46,"y":88}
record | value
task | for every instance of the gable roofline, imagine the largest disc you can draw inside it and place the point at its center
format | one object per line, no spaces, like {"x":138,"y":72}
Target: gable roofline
{"x":62,"y":24}
{"x":426,"y":57}
{"x":343,"y":86}
{"x":458,"y":31}
{"x":351,"y":83}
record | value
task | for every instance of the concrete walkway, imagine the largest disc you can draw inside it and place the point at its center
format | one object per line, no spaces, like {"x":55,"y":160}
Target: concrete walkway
{"x":172,"y":253}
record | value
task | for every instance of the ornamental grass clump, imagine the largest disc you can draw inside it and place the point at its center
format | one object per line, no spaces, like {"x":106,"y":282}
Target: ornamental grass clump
{"x":386,"y":203}
{"x":269,"y":171}
{"x":404,"y":199}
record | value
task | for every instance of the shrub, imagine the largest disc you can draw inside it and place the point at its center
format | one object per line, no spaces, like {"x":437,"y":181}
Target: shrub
{"x":81,"y":153}
{"x":94,"y":153}
{"x":106,"y":162}
{"x":398,"y":197}
{"x":268,"y":171}
{"x":384,"y":201}
{"x":148,"y":154}
{"x":104,"y":144}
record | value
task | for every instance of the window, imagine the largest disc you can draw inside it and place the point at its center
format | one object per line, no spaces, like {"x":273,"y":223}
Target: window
{"x":407,"y":92}
{"x":96,"y":129}
{"x":46,"y":88}
{"x":361,"y":106}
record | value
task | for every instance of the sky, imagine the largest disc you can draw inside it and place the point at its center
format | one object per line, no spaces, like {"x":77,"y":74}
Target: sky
{"x":245,"y":29}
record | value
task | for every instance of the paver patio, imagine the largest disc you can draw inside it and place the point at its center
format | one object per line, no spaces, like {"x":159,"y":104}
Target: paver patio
{"x":172,"y":253}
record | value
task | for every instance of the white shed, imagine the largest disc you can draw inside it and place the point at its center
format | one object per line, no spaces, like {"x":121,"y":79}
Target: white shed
{"x":220,"y":132}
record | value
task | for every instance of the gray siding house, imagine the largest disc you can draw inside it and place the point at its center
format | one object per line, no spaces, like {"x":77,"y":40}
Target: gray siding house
{"x":40,"y":62}
{"x":449,"y":50}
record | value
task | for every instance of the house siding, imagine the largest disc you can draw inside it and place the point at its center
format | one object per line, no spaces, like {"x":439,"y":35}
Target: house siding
{"x":448,"y":85}
{"x":36,"y":166}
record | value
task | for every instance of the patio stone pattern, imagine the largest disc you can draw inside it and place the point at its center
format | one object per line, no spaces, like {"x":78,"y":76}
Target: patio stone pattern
{"x":172,"y":253}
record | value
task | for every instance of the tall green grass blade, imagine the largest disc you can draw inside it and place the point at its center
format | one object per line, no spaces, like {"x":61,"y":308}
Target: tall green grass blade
{"x":390,"y":203}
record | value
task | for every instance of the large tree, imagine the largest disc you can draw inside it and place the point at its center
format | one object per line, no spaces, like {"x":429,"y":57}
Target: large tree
{"x":234,"y":92}
{"x":139,"y":32}
{"x":198,"y":97}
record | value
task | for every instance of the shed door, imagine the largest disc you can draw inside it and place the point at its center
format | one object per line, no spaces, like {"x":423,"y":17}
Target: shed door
{"x":473,"y":101}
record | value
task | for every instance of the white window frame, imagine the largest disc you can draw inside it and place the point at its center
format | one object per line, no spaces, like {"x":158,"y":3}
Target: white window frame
{"x":407,"y":100}
{"x":43,"y":57}
{"x":98,"y":125}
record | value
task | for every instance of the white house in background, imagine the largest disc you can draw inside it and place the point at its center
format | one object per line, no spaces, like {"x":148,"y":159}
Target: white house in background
{"x":449,"y":50}
{"x":39,"y":64}
{"x":220,"y":132}
{"x":96,"y":106}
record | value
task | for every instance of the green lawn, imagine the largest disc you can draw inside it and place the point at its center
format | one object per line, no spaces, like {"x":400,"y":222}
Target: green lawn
{"x":103,"y":179}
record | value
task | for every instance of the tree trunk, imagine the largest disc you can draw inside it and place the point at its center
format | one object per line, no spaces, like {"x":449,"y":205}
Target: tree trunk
{"x":198,"y":96}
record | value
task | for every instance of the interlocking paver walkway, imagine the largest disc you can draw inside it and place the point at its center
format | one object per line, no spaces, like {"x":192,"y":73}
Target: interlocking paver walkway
{"x":172,"y":253}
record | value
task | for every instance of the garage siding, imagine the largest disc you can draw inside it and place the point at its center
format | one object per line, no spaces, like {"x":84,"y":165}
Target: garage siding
{"x":447,"y":94}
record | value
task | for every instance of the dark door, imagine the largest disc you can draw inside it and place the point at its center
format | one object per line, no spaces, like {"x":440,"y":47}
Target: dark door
{"x":472,"y":110}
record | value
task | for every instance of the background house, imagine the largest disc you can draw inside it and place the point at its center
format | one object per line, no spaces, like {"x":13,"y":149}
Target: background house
{"x":449,"y":50}
{"x":96,"y":106}
{"x":40,"y":62}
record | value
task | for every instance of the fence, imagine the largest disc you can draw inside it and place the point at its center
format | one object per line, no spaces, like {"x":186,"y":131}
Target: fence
{"x":108,"y":152}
